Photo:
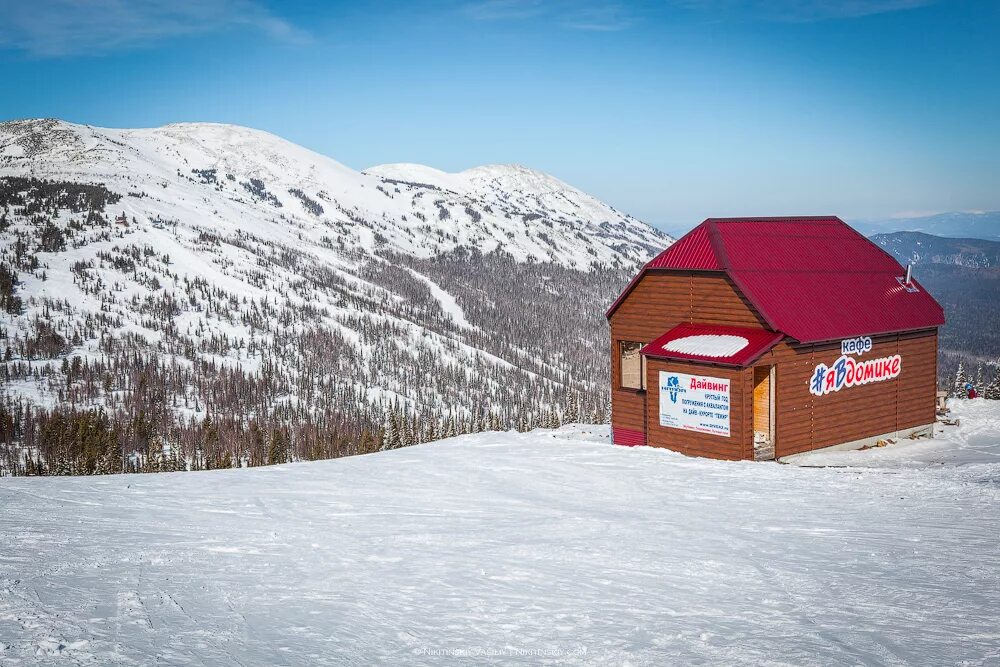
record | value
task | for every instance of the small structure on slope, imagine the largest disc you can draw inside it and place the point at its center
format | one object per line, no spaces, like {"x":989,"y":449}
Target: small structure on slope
{"x":757,"y":338}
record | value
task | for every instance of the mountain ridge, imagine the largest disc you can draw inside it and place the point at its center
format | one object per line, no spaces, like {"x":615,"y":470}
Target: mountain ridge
{"x":918,"y":248}
{"x":952,"y":224}
{"x":482,"y":212}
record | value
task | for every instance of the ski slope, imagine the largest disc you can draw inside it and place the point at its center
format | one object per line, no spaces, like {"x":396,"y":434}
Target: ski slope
{"x":505,"y":548}
{"x":449,"y":305}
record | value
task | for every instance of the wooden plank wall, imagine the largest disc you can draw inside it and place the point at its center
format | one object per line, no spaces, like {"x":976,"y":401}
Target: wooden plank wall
{"x":739,"y":444}
{"x":658,"y":303}
{"x":805,"y":422}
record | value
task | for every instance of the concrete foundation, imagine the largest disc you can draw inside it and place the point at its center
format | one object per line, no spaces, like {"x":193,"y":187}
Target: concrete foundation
{"x":925,"y":431}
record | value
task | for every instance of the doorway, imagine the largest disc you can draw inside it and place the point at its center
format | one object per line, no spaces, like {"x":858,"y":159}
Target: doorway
{"x":763,"y":413}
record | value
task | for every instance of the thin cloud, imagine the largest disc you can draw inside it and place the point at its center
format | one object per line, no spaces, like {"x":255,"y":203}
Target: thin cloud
{"x":503,"y":10}
{"x":598,"y":18}
{"x":801,"y":11}
{"x":572,"y":14}
{"x":52,"y":28}
{"x":600,"y":15}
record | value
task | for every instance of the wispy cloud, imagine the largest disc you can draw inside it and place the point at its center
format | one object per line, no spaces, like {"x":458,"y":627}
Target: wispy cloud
{"x":51,"y":28}
{"x":602,"y":18}
{"x":572,"y":14}
{"x":606,"y":15}
{"x":504,"y":10}
{"x":800,"y":11}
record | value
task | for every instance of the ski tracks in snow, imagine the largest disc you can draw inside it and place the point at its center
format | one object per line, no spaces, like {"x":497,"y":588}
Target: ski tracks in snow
{"x":504,"y":548}
{"x":38,"y":632}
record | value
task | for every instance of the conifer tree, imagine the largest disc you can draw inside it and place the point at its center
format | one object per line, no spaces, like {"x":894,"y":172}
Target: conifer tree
{"x":406,"y":437}
{"x":210,"y":441}
{"x":390,"y":436}
{"x":572,"y":413}
{"x":177,"y":462}
{"x":366,"y":443}
{"x":992,"y":390}
{"x":277,"y":450}
{"x":958,"y":386}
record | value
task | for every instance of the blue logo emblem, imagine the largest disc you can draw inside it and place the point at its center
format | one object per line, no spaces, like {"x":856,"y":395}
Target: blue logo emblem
{"x":673,"y":387}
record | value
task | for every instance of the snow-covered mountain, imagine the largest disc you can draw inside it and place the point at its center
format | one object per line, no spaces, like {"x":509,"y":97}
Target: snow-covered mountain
{"x":238,"y":179}
{"x":200,"y":269}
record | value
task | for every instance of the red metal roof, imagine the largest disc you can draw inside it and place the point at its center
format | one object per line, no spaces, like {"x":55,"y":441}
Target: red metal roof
{"x":814,"y":278}
{"x":693,"y":252}
{"x":688,"y":336}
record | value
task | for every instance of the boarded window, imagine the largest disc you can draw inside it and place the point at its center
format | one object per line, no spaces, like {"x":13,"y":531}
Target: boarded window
{"x":633,"y":365}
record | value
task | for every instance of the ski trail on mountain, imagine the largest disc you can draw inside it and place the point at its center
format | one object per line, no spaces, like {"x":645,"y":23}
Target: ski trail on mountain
{"x":448,"y":303}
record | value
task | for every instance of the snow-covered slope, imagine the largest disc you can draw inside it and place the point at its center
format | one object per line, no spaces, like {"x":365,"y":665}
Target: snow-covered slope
{"x":531,"y":193}
{"x":205,"y":172}
{"x":922,"y":249}
{"x":503,"y":548}
{"x":260,"y":279}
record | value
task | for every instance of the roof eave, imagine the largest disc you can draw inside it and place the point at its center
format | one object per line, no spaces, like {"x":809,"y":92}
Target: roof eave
{"x":818,"y":341}
{"x":701,"y":362}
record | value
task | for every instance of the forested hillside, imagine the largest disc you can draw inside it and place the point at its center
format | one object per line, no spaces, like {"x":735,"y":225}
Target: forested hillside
{"x":964,"y":276}
{"x":208,"y":296}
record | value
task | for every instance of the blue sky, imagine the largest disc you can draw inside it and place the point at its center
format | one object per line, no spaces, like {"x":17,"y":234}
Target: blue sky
{"x":673,"y":111}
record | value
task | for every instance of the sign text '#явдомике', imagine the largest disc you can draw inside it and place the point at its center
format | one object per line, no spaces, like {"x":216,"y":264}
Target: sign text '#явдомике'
{"x":849,"y":372}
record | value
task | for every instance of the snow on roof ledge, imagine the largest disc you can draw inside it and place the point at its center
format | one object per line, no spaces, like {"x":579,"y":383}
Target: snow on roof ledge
{"x":708,"y":345}
{"x":713,"y":344}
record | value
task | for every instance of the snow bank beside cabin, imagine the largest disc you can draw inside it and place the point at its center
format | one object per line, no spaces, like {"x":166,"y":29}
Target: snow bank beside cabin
{"x":973,"y":442}
{"x":508,"y":548}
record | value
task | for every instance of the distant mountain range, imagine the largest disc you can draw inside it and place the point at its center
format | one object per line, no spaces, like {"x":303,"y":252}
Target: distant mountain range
{"x":963,"y":274}
{"x":975,"y":225}
{"x":958,"y":224}
{"x":919,"y":248}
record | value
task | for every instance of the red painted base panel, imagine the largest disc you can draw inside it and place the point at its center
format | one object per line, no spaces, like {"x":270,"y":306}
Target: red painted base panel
{"x":627,"y":437}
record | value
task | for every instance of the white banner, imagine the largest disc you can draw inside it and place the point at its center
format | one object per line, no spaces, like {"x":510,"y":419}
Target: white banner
{"x":694,"y":403}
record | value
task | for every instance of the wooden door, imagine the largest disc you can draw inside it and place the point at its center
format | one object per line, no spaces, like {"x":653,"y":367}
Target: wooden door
{"x":763,"y":413}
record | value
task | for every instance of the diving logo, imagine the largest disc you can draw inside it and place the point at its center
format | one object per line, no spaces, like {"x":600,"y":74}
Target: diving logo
{"x":673,"y":387}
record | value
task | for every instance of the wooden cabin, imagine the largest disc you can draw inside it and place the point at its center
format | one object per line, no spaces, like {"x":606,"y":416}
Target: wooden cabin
{"x":757,"y":338}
